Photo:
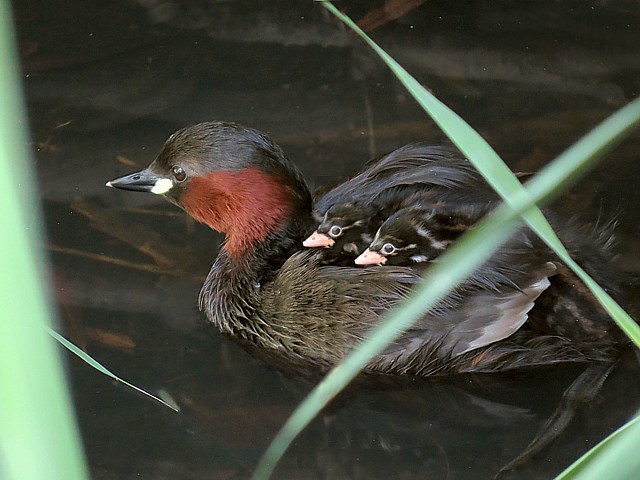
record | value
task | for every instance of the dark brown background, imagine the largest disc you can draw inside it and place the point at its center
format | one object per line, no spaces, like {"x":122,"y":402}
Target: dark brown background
{"x":107,"y":82}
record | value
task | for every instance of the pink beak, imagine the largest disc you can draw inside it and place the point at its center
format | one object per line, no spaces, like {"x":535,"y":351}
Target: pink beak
{"x":319,"y":240}
{"x":370,"y":258}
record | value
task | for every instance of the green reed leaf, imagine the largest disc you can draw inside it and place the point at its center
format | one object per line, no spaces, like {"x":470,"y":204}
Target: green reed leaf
{"x":474,"y":247}
{"x":39,"y":438}
{"x":455,"y":264}
{"x":101,"y":368}
{"x":614,"y":457}
{"x":571,"y":167}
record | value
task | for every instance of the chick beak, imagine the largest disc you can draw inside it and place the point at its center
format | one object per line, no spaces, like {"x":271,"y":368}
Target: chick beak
{"x":318,"y":240}
{"x":370,"y":258}
{"x":142,"y":181}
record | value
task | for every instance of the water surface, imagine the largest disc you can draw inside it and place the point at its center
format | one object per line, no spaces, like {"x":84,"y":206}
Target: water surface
{"x":106,"y":83}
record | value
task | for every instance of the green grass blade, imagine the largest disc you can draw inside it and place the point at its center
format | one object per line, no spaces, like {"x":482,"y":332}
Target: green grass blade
{"x":564,"y":170}
{"x":101,"y":368}
{"x":456,"y":264}
{"x":621,"y":460}
{"x":459,"y":261}
{"x":38,"y":434}
{"x":569,"y":167}
{"x":498,"y":175}
{"x":475,"y":246}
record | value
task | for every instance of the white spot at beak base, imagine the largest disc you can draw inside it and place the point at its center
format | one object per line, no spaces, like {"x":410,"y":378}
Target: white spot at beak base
{"x":162,"y":186}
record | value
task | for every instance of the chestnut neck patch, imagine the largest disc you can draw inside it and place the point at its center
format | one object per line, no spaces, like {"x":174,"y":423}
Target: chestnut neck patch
{"x":246,"y":205}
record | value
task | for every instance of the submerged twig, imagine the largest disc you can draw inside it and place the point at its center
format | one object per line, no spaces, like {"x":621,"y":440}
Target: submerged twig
{"x":145,"y":267}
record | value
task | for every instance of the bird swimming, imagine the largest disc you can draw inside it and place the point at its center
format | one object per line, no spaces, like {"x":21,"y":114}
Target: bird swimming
{"x":522,"y":308}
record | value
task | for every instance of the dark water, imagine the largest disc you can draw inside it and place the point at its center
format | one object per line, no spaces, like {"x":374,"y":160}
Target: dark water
{"x":107,"y":82}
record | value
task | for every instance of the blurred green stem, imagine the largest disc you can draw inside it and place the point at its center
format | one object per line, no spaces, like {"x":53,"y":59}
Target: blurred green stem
{"x":38,"y":434}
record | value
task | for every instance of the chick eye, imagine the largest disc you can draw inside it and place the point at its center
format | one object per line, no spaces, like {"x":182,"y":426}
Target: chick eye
{"x":335,"y":231}
{"x":388,"y":249}
{"x":178,"y":173}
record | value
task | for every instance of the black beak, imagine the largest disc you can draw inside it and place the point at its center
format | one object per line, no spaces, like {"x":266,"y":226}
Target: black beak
{"x":142,"y":181}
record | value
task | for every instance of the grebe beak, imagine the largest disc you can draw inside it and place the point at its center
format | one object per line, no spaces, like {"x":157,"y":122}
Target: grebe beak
{"x":142,"y":181}
{"x":370,"y":258}
{"x":319,"y":240}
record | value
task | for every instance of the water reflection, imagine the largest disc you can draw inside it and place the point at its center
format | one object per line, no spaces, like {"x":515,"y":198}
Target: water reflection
{"x":106,"y":83}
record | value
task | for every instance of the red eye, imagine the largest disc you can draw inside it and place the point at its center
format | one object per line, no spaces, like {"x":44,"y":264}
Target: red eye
{"x":179,"y":174}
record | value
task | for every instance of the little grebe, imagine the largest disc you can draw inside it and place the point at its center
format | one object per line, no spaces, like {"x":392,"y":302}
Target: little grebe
{"x":521,"y":308}
{"x":420,"y":233}
{"x":350,"y":213}
{"x":345,"y":227}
